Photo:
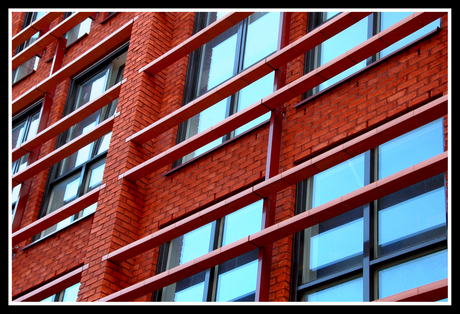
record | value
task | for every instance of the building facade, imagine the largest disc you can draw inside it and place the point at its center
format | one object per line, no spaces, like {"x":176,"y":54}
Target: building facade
{"x":229,"y":156}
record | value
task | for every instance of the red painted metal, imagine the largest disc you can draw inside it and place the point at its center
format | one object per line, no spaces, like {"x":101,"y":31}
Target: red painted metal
{"x":400,"y":180}
{"x":272,"y":169}
{"x":428,"y":112}
{"x":270,"y":102}
{"x":58,"y":215}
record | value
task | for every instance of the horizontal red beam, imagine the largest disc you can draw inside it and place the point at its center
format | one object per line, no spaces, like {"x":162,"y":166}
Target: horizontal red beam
{"x":364,"y":195}
{"x":286,"y":93}
{"x":33,"y":28}
{"x":63,"y":124}
{"x":74,"y":67}
{"x":195,"y":41}
{"x":434,"y":291}
{"x":49,"y":37}
{"x":250,"y":75}
{"x":54,"y":286}
{"x":63,"y":151}
{"x":56,"y":216}
{"x":392,"y":129}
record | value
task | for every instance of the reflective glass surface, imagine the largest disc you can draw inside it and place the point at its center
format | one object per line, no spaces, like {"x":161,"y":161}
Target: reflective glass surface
{"x":348,"y":291}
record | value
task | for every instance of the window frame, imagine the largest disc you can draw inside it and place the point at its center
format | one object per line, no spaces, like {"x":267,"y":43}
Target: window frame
{"x":192,"y":77}
{"x":54,"y":179}
{"x":371,"y":261}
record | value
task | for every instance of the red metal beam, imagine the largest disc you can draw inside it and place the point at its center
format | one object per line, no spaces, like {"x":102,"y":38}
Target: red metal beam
{"x":77,"y":65}
{"x":197,"y":40}
{"x":63,"y":151}
{"x":58,"y":215}
{"x":276,"y":99}
{"x":392,"y":129}
{"x":33,"y":28}
{"x":364,"y":195}
{"x":49,"y":37}
{"x":250,"y":75}
{"x":53,"y":287}
{"x":63,"y":124}
{"x":434,"y":291}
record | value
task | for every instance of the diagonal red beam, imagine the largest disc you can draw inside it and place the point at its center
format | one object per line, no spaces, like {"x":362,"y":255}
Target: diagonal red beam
{"x":63,"y":124}
{"x":250,"y":75}
{"x":392,"y":129}
{"x":63,"y":151}
{"x":194,"y":42}
{"x":284,"y":94}
{"x":49,"y":37}
{"x":58,"y":215}
{"x":364,"y":195}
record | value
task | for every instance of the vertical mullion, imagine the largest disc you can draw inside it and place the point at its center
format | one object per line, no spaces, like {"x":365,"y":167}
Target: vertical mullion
{"x":368,"y":232}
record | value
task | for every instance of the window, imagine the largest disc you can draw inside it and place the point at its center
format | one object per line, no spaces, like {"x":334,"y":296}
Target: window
{"x":67,"y":295}
{"x":82,"y":171}
{"x":353,"y":36}
{"x":234,"y":280}
{"x":30,"y":65}
{"x":380,"y":248}
{"x":78,"y":31}
{"x":220,"y":59}
{"x":25,"y":126}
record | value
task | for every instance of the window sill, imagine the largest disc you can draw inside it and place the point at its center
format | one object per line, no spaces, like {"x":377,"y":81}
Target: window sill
{"x":55,"y":232}
{"x":193,"y":160}
{"x":23,"y":78}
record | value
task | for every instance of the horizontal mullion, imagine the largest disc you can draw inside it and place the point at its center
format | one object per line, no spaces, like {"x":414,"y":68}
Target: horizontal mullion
{"x":54,"y":286}
{"x":49,"y":37}
{"x":250,"y":75}
{"x":71,"y":119}
{"x":284,"y":94}
{"x":197,"y":40}
{"x":74,"y":67}
{"x":56,"y":216}
{"x":364,"y":195}
{"x":63,"y":151}
{"x":392,"y":129}
{"x":33,"y":28}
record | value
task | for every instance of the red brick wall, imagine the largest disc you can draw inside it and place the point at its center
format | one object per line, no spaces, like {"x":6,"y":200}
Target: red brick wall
{"x":127,"y":212}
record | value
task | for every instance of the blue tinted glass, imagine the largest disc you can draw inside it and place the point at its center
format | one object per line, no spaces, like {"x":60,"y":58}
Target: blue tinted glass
{"x":71,"y":293}
{"x":412,"y":274}
{"x":390,"y":18}
{"x":190,"y":294}
{"x":338,"y":180}
{"x":341,"y":43}
{"x":349,"y":291}
{"x":238,"y":282}
{"x":243,"y":222}
{"x":411,"y":148}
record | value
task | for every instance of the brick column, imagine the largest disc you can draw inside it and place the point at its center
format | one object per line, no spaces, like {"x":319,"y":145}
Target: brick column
{"x":117,"y":219}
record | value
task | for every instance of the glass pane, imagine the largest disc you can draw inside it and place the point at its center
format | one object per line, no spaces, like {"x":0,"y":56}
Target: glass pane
{"x":390,"y":18}
{"x":95,"y":174}
{"x":243,"y":222}
{"x":64,"y":192}
{"x":262,"y":36}
{"x":217,"y":62}
{"x":338,"y":180}
{"x":252,"y":93}
{"x":333,"y":245}
{"x":18,"y":134}
{"x":348,"y":291}
{"x":92,"y":88}
{"x":411,"y":148}
{"x":71,"y":293}
{"x":191,"y":289}
{"x":341,"y":43}
{"x":33,"y":127}
{"x":412,"y":274}
{"x":237,"y":278}
{"x":412,"y":215}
